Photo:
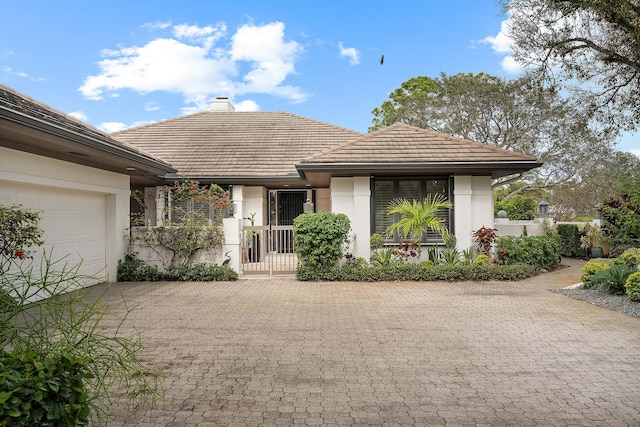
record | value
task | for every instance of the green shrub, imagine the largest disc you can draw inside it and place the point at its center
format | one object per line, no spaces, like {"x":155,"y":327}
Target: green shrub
{"x":376,"y":241}
{"x":621,"y":219}
{"x":613,"y":279}
{"x":482,"y":259}
{"x":43,"y":389}
{"x":201,"y":272}
{"x":518,"y":207}
{"x":630,"y":257}
{"x":384,"y":258}
{"x":632,"y":287}
{"x":540,"y":252}
{"x":133,"y":269}
{"x":57,"y":365}
{"x":570,"y":241}
{"x":414,"y":272}
{"x":319,"y":237}
{"x":589,"y":270}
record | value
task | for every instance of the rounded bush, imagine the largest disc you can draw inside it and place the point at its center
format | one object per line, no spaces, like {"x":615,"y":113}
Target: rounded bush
{"x":630,"y":257}
{"x":633,"y":287}
{"x":482,"y":259}
{"x":589,"y":270}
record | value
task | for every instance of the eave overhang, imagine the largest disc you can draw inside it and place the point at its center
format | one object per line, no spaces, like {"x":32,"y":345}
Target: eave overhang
{"x":22,"y":132}
{"x":319,"y":174}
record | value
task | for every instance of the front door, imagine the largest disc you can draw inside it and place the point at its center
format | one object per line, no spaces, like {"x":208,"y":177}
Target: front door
{"x":284,"y":207}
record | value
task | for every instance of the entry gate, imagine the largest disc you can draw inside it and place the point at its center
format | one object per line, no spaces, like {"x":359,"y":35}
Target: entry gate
{"x":268,"y":249}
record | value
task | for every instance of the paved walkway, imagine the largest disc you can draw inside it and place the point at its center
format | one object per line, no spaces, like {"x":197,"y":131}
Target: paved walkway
{"x":281,"y":352}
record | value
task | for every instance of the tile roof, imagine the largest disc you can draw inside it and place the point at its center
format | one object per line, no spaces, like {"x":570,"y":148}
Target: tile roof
{"x":22,"y":107}
{"x":401,"y":143}
{"x":237,"y":144}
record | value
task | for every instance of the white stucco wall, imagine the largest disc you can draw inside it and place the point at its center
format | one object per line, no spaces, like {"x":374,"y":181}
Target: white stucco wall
{"x":351,"y":196}
{"x":254,"y":199}
{"x":73,"y":199}
{"x":473,"y":207}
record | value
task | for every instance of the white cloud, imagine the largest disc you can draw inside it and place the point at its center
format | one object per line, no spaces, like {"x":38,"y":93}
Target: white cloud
{"x":189,"y":62}
{"x":151,"y":106}
{"x":7,"y":53}
{"x":510,"y":65}
{"x":271,"y":58}
{"x":156,"y":25}
{"x":351,"y":53}
{"x":247,"y":105}
{"x":501,"y":44}
{"x":8,"y":70}
{"x":635,"y":151}
{"x":111,"y":127}
{"x":79,"y":115}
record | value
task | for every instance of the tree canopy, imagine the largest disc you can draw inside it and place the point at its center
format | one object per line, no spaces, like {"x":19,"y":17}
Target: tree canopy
{"x":520,"y":115}
{"x":592,"y":46}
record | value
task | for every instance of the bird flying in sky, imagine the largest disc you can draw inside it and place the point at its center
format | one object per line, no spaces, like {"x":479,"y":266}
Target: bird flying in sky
{"x":382,"y":60}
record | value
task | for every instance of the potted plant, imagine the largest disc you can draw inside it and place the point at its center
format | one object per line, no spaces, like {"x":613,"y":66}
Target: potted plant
{"x":253,"y":240}
{"x":592,"y":240}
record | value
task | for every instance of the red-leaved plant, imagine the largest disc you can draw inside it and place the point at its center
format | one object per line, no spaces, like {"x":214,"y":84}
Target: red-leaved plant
{"x":484,"y":237}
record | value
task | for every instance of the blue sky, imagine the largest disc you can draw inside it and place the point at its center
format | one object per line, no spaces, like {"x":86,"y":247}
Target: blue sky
{"x":118,"y":64}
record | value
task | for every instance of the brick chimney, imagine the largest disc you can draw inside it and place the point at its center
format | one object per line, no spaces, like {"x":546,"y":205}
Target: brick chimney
{"x":221,"y":103}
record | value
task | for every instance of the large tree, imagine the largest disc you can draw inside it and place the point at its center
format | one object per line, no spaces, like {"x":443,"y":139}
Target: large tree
{"x":520,"y":115}
{"x":593,"y":46}
{"x":599,"y":181}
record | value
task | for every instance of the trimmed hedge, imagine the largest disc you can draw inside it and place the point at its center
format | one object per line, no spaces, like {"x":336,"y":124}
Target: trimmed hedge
{"x":136,"y":270}
{"x":201,"y":273}
{"x":589,"y":270}
{"x":414,"y":272}
{"x":539,"y":252}
{"x":570,"y":241}
{"x":632,"y":287}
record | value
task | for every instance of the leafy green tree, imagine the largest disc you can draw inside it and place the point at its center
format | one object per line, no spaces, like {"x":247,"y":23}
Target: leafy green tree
{"x":518,"y":207}
{"x":520,"y":115}
{"x":621,"y":219}
{"x":591,"y":45}
{"x":417,"y":218}
{"x":599,"y":180}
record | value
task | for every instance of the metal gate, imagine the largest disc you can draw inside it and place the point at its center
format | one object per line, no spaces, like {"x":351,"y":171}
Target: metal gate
{"x":268,"y":249}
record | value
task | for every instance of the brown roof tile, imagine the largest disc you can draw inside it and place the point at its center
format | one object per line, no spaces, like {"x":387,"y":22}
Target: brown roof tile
{"x":236,"y":144}
{"x":400,"y":143}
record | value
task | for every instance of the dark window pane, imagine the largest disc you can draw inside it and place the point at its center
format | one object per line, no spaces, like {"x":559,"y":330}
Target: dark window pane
{"x":409,"y":190}
{"x":386,"y":190}
{"x":383,"y":195}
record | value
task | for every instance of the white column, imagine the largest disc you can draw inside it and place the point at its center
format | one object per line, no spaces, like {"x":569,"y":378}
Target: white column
{"x":462,"y":206}
{"x":160,"y":205}
{"x":232,"y":229}
{"x":238,"y":199}
{"x":361,"y":223}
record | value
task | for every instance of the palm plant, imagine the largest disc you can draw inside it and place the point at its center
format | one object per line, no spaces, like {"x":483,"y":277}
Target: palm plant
{"x":416,"y":218}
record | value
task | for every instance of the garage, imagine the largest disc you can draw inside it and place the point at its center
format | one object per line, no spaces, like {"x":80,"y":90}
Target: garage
{"x":74,"y":223}
{"x":78,"y":177}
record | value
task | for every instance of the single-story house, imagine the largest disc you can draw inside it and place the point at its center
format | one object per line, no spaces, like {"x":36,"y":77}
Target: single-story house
{"x":77,"y":176}
{"x":278,"y":164}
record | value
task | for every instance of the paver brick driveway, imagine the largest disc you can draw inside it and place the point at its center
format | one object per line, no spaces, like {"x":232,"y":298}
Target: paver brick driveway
{"x":280,"y":352}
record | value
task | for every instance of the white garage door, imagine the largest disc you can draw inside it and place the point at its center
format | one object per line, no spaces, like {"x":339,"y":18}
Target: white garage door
{"x":73,"y":223}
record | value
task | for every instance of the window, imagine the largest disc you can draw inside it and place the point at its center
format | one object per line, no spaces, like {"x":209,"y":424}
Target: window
{"x":386,"y":190}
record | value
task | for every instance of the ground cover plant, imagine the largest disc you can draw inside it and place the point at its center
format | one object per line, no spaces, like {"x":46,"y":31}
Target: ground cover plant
{"x":132,"y":269}
{"x":57,"y":367}
{"x":614,"y":276}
